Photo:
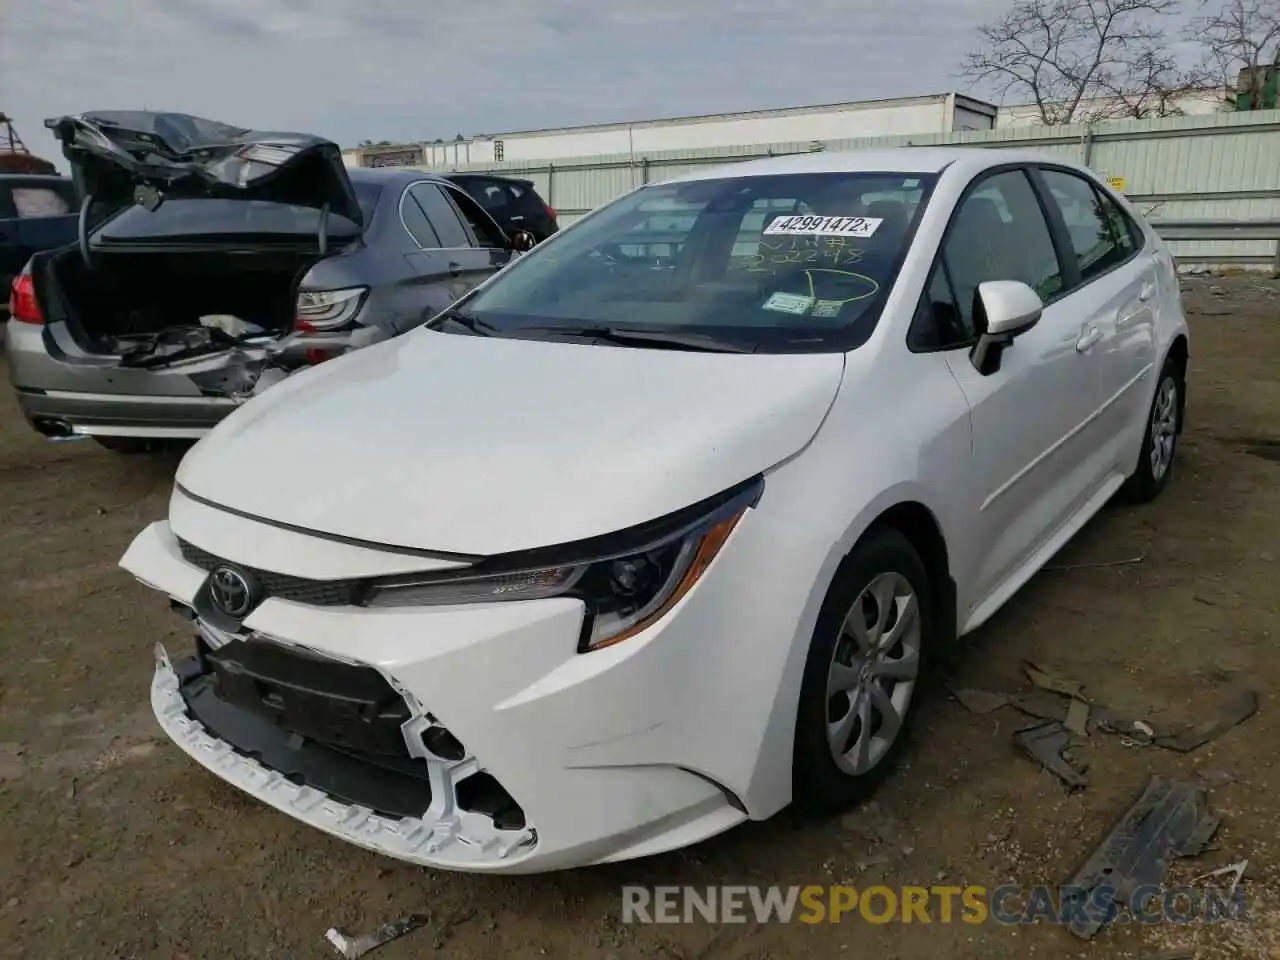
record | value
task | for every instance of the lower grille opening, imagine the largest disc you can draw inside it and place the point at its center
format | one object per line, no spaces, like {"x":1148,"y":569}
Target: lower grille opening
{"x":333,"y":726}
{"x":481,"y":793}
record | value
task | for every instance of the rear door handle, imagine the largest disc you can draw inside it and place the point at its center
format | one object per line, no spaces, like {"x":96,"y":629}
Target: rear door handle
{"x":455,"y":270}
{"x":1088,"y":338}
{"x":1148,"y":291}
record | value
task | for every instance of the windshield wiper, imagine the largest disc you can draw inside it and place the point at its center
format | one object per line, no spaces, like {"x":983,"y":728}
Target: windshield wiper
{"x":463,"y":319}
{"x":660,"y":339}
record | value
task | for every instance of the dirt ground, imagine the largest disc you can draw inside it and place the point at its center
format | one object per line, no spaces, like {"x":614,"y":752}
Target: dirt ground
{"x":113,"y":844}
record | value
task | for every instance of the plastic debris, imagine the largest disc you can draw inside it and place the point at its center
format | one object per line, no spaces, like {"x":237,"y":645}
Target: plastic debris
{"x":981,"y":701}
{"x":230,"y":325}
{"x":1077,"y":721}
{"x":1169,"y":820}
{"x":352,"y":948}
{"x":1235,"y":712}
{"x":1045,"y":743}
{"x":1053,"y":682}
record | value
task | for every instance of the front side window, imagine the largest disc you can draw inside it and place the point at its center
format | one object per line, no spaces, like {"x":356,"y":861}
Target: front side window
{"x":782,"y":262}
{"x":999,"y":233}
{"x":1098,"y":238}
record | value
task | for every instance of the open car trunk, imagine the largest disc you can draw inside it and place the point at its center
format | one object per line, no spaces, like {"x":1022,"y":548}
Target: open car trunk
{"x":143,"y":305}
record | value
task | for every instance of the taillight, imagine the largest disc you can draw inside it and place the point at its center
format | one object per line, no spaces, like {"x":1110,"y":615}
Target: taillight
{"x":22,"y":300}
{"x":551,"y":211}
{"x":328,"y":309}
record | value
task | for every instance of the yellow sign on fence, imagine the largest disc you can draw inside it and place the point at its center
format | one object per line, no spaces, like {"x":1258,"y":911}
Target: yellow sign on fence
{"x":1117,"y":183}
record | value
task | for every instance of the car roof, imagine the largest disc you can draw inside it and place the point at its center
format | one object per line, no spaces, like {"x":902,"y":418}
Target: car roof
{"x":390,"y":176}
{"x":463,"y":174}
{"x":886,"y":160}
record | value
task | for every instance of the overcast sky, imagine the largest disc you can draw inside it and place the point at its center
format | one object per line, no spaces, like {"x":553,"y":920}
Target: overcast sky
{"x":420,"y":69}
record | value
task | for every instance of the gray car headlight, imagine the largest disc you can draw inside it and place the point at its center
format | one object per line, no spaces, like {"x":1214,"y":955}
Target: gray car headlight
{"x":627,"y":581}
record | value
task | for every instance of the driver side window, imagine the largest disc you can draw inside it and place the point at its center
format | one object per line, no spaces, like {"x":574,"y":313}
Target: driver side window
{"x":998,"y":232}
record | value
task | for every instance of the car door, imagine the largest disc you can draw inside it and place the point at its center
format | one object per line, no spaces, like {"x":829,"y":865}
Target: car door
{"x":1032,"y":465}
{"x":435,"y":276}
{"x":1116,"y":294}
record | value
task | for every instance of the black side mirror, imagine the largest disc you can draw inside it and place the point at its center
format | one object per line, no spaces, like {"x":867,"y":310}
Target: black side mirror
{"x":522,"y":241}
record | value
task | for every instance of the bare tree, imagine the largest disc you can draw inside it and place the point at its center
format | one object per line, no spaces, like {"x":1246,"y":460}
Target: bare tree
{"x":1062,"y":54}
{"x":1240,"y":43}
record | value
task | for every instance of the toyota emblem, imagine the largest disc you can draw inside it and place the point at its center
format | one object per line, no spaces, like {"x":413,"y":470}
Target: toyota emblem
{"x":230,"y":592}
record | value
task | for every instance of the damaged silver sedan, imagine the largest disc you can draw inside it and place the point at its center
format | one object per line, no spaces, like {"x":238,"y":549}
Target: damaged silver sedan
{"x":213,"y":261}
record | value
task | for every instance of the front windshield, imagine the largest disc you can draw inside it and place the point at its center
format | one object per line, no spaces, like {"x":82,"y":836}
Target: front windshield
{"x":782,"y":262}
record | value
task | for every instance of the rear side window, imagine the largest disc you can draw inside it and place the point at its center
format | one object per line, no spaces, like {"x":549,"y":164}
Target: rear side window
{"x":31,"y":202}
{"x":1100,"y":236}
{"x":489,"y":194}
{"x":441,"y":215}
{"x":481,"y":226}
{"x":416,"y":222}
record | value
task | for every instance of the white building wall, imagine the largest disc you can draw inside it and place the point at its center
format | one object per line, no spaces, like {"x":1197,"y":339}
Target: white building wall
{"x":1197,"y":103}
{"x":940,"y":113}
{"x":861,"y":120}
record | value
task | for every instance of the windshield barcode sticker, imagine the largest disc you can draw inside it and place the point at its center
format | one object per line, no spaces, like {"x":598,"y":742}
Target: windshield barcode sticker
{"x":807,"y":226}
{"x":796,"y":303}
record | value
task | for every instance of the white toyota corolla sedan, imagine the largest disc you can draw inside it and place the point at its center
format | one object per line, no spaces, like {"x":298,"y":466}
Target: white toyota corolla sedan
{"x":655,"y":531}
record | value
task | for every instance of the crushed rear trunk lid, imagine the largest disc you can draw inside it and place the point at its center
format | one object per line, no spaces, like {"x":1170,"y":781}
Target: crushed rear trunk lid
{"x":134,"y":156}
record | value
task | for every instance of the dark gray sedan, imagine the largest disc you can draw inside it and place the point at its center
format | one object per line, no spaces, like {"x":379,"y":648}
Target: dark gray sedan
{"x":214,"y":261}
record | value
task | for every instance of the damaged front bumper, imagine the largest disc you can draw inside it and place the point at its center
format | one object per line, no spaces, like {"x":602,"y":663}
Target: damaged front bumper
{"x":504,"y":761}
{"x":443,"y":835}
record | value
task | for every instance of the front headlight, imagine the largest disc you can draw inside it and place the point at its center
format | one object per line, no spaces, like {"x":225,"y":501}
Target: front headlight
{"x":627,"y":581}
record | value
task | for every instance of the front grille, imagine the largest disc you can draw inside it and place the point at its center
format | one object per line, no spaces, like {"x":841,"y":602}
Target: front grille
{"x":316,"y":593}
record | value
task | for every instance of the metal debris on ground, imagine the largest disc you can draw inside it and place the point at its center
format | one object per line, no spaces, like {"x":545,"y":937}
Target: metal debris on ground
{"x":1234,"y":712}
{"x":1168,"y":821}
{"x":1045,"y":743}
{"x":1125,"y":562}
{"x":1139,"y":734}
{"x":352,"y":948}
{"x":1233,"y":870}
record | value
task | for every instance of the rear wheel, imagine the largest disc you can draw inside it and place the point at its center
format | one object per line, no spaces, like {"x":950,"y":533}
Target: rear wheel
{"x":1160,"y":440}
{"x":866,"y":661}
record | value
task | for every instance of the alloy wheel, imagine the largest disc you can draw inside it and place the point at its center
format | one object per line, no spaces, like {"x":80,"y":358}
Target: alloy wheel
{"x":873,"y":673}
{"x":1164,"y":427}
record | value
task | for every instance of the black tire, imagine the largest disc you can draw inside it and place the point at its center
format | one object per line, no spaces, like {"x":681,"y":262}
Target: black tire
{"x":819,"y":785}
{"x":128,"y":445}
{"x":1148,"y":481}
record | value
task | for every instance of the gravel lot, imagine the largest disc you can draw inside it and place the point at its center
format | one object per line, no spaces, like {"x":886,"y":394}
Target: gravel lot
{"x":114,"y":844}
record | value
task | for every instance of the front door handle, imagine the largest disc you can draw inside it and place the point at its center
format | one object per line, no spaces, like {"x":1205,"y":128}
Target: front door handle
{"x":1088,"y":338}
{"x":1147,"y":292}
{"x":455,"y":270}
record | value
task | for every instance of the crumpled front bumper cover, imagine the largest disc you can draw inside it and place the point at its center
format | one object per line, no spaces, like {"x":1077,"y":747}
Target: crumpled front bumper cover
{"x":445,"y":836}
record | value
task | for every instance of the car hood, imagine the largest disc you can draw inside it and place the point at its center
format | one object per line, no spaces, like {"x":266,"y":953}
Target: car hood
{"x":120,"y":156}
{"x":482,"y":446}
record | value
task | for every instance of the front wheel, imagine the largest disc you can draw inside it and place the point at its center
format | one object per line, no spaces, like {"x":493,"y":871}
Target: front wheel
{"x":866,"y":661}
{"x":1160,"y":439}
